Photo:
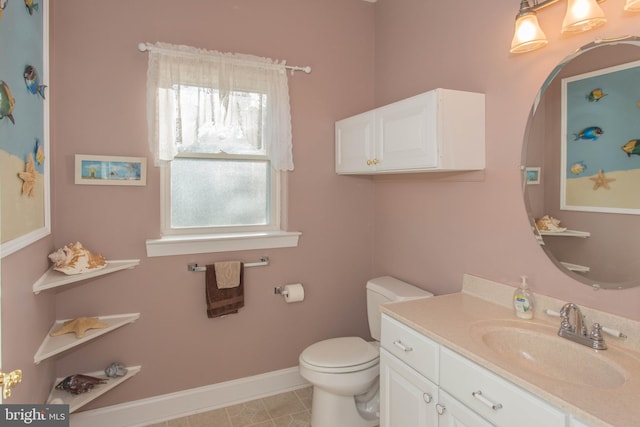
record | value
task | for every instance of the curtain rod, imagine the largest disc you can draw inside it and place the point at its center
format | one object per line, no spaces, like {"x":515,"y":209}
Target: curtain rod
{"x":143,"y":47}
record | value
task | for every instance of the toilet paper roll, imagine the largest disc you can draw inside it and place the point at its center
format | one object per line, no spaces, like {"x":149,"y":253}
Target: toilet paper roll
{"x":293,"y":293}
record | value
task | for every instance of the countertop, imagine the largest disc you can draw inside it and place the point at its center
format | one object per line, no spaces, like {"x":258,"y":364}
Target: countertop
{"x":449,"y":320}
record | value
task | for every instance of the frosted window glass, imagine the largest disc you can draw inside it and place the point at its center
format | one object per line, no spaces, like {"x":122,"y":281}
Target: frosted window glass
{"x":217,"y":193}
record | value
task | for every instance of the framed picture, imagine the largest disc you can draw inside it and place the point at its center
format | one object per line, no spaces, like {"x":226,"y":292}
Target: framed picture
{"x":110,"y":170}
{"x":24,"y":127}
{"x":532,"y":175}
{"x":600,"y":141}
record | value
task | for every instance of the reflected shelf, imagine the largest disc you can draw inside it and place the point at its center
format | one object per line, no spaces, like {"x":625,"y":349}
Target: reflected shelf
{"x":52,"y":346}
{"x":53,"y":279}
{"x":575,"y":267}
{"x":75,"y":402}
{"x":566,"y":233}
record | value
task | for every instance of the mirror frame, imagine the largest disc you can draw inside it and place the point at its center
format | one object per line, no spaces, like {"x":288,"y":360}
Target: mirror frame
{"x":628,"y":40}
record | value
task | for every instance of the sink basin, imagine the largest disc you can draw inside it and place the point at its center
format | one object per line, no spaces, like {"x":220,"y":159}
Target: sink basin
{"x":538,"y":349}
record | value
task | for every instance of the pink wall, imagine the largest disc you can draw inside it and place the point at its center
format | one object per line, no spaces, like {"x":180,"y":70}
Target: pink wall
{"x":430,"y":231}
{"x":97,"y":90}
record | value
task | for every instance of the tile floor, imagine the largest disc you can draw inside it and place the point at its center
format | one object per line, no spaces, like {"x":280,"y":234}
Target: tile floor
{"x":291,"y":409}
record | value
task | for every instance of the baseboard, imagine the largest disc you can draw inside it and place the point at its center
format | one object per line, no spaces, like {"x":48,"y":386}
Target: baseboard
{"x":157,"y":409}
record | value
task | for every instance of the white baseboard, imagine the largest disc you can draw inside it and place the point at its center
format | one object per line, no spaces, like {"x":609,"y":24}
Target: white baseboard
{"x":168,"y":406}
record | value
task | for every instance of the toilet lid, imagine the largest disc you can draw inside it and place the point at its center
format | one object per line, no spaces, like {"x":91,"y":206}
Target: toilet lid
{"x":340,"y":353}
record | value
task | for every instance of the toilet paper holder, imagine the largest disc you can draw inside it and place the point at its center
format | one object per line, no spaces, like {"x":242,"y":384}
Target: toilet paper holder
{"x":280,"y":290}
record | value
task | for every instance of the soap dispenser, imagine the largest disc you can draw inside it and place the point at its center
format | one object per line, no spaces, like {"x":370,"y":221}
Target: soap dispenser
{"x":523,"y":302}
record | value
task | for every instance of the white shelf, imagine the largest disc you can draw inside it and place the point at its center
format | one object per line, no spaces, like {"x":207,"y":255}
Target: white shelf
{"x":55,"y":345}
{"x":575,"y":267}
{"x":77,"y":401}
{"x":53,"y":279}
{"x":566,"y":233}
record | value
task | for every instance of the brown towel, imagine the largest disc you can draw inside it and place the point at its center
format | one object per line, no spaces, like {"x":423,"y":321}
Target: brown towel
{"x":224,"y":301}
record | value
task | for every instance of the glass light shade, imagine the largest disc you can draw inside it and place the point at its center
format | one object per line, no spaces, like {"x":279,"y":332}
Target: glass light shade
{"x":582,"y":15}
{"x":528,"y":35}
{"x":632,"y":6}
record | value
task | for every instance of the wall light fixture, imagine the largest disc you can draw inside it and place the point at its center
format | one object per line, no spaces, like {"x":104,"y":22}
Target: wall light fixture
{"x":581,"y":15}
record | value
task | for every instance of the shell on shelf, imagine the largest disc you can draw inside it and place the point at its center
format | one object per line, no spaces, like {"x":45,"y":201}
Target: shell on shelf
{"x":75,"y":259}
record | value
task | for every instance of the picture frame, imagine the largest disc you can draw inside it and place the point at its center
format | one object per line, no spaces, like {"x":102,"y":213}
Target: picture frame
{"x":110,"y":170}
{"x":25,"y":135}
{"x":532,"y":175}
{"x":600,"y":165}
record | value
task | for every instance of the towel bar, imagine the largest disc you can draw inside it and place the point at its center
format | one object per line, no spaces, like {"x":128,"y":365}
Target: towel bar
{"x":263,"y":261}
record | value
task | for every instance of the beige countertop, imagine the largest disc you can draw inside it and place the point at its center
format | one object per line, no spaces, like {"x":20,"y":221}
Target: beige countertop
{"x":451,"y":320}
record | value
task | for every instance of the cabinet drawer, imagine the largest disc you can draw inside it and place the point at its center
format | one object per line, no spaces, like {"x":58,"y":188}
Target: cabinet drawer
{"x":499,"y":401}
{"x":411,"y":347}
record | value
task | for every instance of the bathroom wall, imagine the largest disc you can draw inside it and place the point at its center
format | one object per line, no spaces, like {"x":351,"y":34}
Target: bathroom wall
{"x":431,"y":229}
{"x":98,"y":101}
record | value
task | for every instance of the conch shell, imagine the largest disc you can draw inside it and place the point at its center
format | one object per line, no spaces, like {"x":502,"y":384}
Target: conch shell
{"x":549,"y":223}
{"x":75,"y":258}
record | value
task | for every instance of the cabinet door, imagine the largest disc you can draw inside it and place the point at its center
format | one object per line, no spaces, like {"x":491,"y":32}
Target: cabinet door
{"x":406,"y":134}
{"x":455,"y":414}
{"x":355,"y":141}
{"x":407,"y":399}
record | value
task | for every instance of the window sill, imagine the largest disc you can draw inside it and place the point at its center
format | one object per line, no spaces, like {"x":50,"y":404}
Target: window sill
{"x":198,"y":244}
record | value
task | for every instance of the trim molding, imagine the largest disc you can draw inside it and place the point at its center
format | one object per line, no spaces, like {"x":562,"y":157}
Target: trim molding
{"x":188,"y":402}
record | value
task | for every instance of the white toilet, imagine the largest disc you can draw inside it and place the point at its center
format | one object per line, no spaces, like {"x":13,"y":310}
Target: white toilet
{"x":344,"y":371}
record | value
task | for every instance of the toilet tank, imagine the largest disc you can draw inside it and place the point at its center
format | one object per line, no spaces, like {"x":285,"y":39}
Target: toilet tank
{"x":386,"y":289}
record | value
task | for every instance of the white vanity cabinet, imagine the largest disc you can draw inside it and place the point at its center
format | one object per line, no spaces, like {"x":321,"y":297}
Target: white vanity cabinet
{"x":406,"y":397}
{"x":425,"y":384}
{"x":409,"y":375}
{"x":439,"y":130}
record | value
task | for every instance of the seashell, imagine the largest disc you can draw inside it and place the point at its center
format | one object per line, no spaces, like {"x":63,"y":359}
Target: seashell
{"x":115,"y":370}
{"x":79,"y":383}
{"x":75,"y":258}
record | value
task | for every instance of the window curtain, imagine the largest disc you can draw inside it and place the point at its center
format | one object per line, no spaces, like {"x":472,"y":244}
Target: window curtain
{"x":226,"y":102}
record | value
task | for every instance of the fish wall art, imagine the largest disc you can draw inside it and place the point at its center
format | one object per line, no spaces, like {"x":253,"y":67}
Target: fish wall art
{"x":32,"y":80}
{"x":7,"y":102}
{"x":31,"y":6}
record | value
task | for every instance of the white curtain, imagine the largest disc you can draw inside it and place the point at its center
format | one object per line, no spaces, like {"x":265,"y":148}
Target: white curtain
{"x":207,"y":101}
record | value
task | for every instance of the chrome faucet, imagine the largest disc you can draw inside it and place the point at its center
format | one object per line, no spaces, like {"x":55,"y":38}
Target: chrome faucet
{"x":577,"y":332}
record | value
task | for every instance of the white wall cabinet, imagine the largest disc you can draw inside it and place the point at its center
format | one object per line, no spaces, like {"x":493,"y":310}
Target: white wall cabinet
{"x":439,"y":130}
{"x":457,"y":393}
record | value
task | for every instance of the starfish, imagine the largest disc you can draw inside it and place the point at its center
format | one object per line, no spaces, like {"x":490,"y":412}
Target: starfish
{"x":79,"y":326}
{"x":601,"y":181}
{"x":28,"y":177}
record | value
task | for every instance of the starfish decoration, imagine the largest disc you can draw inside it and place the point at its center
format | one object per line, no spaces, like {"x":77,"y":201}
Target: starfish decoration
{"x":601,"y":181}
{"x":28,"y":177}
{"x":79,"y":326}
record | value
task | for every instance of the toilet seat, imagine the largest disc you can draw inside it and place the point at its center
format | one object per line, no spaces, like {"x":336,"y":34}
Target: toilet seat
{"x":341,"y":355}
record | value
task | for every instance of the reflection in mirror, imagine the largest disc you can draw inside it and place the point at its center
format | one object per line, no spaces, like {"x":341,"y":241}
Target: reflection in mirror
{"x":600,"y":245}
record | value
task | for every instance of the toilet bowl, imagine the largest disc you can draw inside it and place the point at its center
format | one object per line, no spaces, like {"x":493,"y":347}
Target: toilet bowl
{"x":345,"y":371}
{"x":341,"y":369}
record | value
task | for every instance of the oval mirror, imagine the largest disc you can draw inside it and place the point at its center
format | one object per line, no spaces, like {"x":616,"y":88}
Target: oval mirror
{"x":581,"y":164}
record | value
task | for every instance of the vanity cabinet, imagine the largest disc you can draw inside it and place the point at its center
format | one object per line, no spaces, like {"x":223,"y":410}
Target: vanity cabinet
{"x":440,"y":130}
{"x":425,"y":384}
{"x":407,"y":398}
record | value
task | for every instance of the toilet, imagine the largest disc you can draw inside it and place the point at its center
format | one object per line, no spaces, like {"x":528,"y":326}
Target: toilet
{"x":345,"y":371}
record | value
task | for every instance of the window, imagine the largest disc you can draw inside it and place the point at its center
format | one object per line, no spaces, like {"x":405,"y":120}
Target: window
{"x":220,"y":130}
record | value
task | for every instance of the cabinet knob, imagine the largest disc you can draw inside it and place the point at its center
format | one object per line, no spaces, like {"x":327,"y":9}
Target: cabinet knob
{"x":376,"y":161}
{"x":369,"y":162}
{"x":440,"y":409}
{"x":427,"y":397}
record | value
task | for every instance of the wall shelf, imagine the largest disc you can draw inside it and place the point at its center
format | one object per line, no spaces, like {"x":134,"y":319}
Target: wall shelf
{"x":566,"y":233}
{"x":52,"y":346}
{"x":54,"y":279}
{"x":575,"y":267}
{"x":77,"y":401}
